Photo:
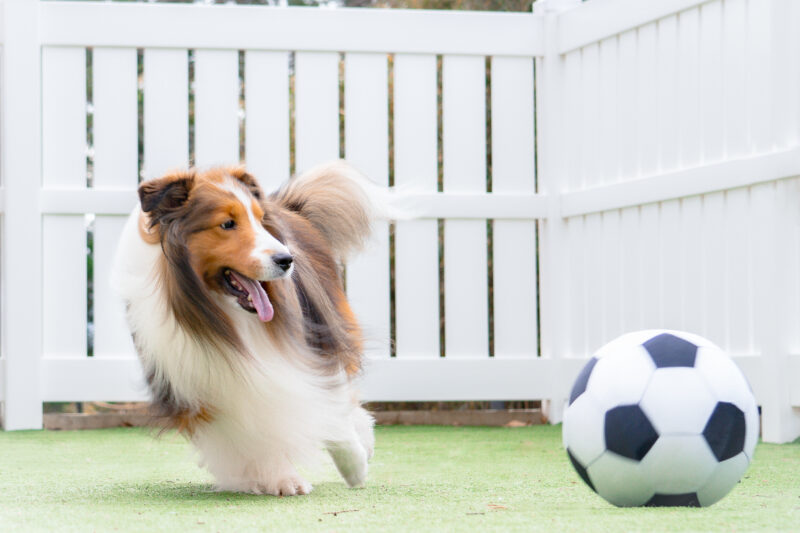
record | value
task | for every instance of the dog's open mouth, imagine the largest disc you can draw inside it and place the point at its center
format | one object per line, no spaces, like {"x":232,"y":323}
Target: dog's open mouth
{"x":249,"y":293}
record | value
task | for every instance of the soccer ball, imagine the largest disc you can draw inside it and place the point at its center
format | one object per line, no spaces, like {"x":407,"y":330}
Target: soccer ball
{"x":661,"y":418}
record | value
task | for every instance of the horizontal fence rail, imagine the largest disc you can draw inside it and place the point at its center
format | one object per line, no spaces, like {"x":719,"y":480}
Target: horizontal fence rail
{"x":570,"y":174}
{"x":300,"y":29}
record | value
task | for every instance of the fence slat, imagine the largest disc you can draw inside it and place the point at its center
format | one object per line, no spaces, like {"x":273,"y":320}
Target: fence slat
{"x":691,"y":250}
{"x":267,"y":116}
{"x":514,"y":247}
{"x":714,"y":294}
{"x":114,"y":73}
{"x":464,"y":164}
{"x":111,"y":334}
{"x":668,"y":111}
{"x":738,"y":258}
{"x":759,"y":64}
{"x":735,"y":77}
{"x":64,"y":237}
{"x":671,"y":265}
{"x":651,"y":266}
{"x":689,"y":88}
{"x":21,"y":297}
{"x":64,"y":116}
{"x":646,"y":100}
{"x":416,"y":241}
{"x":316,"y":89}
{"x":712,"y":118}
{"x":115,"y":117}
{"x":631,"y":270}
{"x":64,"y":286}
{"x":166,"y":111}
{"x":590,"y":129}
{"x":366,"y":107}
{"x":216,"y":107}
{"x":607,"y":166}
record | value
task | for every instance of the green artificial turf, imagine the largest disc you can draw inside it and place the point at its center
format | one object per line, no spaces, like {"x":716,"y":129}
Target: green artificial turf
{"x":422,"y":479}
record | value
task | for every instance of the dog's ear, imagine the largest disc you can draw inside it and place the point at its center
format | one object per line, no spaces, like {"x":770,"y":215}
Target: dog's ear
{"x":249,"y":180}
{"x":163,"y":195}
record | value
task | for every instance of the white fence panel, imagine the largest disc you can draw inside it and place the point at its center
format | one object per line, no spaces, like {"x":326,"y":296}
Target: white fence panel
{"x":667,"y":140}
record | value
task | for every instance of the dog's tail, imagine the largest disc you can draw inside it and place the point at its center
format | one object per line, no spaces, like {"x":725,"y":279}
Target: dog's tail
{"x":340,"y":202}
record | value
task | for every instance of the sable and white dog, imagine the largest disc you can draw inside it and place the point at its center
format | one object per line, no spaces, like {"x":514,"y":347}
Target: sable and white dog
{"x":236,"y":307}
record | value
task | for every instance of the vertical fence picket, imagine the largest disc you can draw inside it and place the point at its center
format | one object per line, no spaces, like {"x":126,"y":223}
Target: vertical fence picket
{"x":667,"y":120}
{"x":693,"y":269}
{"x":735,"y":77}
{"x":630,"y":272}
{"x":21,"y":168}
{"x":316,"y":108}
{"x":738,"y":260}
{"x":514,"y":248}
{"x":64,"y":236}
{"x":166,"y":111}
{"x":216,"y":107}
{"x":715,"y":294}
{"x":114,"y":74}
{"x":626,"y":105}
{"x":651,"y":268}
{"x":416,"y":241}
{"x":267,"y":116}
{"x":712,"y":118}
{"x":464,"y":164}
{"x":689,"y":88}
{"x":671,"y":282}
{"x":646,"y":100}
{"x":367,"y":147}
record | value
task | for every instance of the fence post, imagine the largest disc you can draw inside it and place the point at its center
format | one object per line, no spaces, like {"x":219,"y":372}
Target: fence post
{"x":550,"y":139}
{"x":22,"y":228}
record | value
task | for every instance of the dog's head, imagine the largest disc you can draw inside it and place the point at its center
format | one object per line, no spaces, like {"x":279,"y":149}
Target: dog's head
{"x":215,"y":227}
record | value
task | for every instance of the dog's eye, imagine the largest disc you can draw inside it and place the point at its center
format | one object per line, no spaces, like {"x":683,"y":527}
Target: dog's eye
{"x":228,"y":224}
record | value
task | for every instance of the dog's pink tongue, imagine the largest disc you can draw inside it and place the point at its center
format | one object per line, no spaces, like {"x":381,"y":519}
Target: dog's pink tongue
{"x":258,"y":295}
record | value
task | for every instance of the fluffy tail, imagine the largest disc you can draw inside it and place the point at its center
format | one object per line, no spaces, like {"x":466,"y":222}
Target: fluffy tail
{"x":340,"y":202}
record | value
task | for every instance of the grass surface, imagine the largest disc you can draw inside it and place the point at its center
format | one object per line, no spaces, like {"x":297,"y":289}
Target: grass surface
{"x":422,"y":479}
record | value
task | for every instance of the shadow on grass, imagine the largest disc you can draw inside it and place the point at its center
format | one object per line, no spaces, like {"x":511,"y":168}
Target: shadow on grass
{"x":162,"y":493}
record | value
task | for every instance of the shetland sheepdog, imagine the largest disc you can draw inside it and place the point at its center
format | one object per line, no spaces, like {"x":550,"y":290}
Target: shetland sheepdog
{"x":236,"y":307}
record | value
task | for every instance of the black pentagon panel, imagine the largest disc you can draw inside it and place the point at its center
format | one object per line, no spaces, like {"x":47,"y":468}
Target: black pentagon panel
{"x":668,"y":350}
{"x":629,"y":432}
{"x":580,"y":470}
{"x":583,"y":378}
{"x":725,"y":431}
{"x":674,"y":500}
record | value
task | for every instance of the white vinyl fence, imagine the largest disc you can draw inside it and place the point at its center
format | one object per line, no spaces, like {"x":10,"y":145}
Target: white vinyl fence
{"x":590,"y":168}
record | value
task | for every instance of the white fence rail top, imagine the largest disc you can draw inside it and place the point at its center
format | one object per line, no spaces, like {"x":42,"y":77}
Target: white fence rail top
{"x":295,"y":28}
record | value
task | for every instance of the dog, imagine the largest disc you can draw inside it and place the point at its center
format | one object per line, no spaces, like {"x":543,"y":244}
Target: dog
{"x":236,"y":307}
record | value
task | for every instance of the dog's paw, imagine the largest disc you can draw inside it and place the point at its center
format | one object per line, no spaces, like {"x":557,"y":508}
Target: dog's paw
{"x":291,"y":485}
{"x":288,"y":485}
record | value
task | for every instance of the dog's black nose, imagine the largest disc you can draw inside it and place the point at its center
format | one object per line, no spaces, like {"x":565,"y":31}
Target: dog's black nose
{"x":283,"y":260}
